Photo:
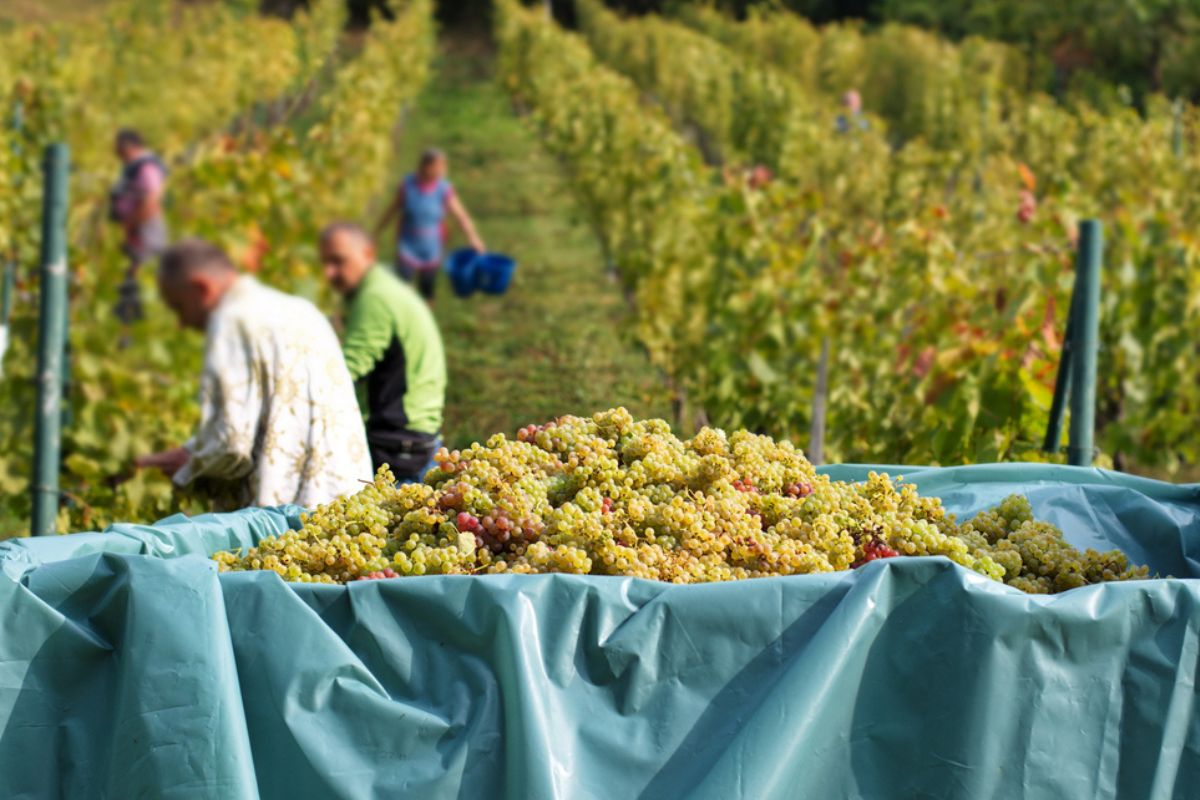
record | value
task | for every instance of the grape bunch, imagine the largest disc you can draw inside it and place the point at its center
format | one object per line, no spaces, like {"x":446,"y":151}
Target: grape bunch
{"x":378,"y":575}
{"x":612,"y":495}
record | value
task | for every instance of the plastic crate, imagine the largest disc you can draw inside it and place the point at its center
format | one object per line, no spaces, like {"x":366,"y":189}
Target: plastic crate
{"x":461,"y":267}
{"x":493,"y":272}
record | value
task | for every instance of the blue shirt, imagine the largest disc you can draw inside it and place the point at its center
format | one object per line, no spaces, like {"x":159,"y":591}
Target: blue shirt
{"x":423,"y":228}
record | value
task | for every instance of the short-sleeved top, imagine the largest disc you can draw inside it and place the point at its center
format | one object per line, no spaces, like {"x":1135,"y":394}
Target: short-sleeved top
{"x":139,"y":178}
{"x":854,"y":121}
{"x":392,"y":343}
{"x":423,"y":229}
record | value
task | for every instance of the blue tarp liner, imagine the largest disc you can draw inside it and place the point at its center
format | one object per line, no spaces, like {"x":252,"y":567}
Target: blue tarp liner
{"x":130,"y":668}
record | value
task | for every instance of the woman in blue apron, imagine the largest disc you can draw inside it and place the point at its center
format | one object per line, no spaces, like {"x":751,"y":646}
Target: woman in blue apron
{"x":422,"y":202}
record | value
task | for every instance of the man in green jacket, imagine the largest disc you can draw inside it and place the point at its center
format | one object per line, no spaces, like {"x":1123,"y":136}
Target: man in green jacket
{"x":393,"y":349}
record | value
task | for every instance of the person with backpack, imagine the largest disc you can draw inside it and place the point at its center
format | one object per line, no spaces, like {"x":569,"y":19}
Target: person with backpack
{"x":136,"y":205}
{"x":421,"y":203}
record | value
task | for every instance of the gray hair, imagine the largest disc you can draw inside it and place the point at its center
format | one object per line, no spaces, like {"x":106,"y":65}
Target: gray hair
{"x":352,"y":229}
{"x":190,"y":256}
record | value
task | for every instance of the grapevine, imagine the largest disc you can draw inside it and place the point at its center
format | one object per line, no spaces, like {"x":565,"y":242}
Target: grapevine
{"x":287,"y":131}
{"x":931,"y":250}
{"x":939,"y":271}
{"x":611,"y":495}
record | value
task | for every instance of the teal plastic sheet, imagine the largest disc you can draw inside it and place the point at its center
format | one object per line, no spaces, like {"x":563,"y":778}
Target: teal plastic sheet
{"x":130,"y":668}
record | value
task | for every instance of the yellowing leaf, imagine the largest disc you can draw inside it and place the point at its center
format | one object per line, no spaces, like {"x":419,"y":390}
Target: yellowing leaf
{"x":1027,"y":177}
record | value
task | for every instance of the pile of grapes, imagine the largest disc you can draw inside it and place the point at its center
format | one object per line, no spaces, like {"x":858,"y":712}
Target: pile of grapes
{"x":611,"y":495}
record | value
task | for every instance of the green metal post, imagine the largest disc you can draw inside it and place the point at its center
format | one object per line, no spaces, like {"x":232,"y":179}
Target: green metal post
{"x":6,"y":298}
{"x":10,"y":266}
{"x":977,"y":178}
{"x":51,"y":341}
{"x":1062,"y":385}
{"x":1080,"y":448}
{"x":10,"y":269}
{"x":816,"y":436}
{"x":17,"y":122}
{"x":10,"y":263}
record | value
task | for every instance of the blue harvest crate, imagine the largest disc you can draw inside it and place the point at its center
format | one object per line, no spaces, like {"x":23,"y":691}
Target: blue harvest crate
{"x":493,"y":272}
{"x":461,"y":267}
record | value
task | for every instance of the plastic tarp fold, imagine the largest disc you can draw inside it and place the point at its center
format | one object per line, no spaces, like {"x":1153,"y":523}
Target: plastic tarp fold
{"x":130,"y":668}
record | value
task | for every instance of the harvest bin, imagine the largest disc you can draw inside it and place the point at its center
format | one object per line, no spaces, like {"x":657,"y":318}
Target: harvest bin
{"x":130,"y":668}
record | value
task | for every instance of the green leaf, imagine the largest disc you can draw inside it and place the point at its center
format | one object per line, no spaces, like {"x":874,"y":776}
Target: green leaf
{"x":760,"y":369}
{"x":84,"y":468}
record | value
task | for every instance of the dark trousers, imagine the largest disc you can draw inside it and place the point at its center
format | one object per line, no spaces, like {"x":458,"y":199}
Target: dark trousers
{"x":425,"y":279}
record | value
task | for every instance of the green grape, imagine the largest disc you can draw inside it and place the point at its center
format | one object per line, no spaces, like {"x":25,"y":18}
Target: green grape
{"x":611,"y":495}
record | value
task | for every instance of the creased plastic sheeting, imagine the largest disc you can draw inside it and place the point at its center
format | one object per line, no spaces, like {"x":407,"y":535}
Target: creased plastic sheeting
{"x":127,"y":675}
{"x":1154,"y":523}
{"x":174,"y":536}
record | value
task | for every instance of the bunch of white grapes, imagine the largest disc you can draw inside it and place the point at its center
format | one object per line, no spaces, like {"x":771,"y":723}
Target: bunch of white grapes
{"x":611,"y":495}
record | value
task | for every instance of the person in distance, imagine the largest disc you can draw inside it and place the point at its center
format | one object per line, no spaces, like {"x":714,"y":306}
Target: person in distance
{"x":393,"y":348}
{"x":279,"y":422}
{"x":421,"y":202}
{"x":852,"y":118}
{"x":135,"y":203}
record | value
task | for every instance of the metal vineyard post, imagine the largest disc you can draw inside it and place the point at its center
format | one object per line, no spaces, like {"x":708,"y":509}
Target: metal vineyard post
{"x":1076,"y":379}
{"x":52,"y":327}
{"x":816,"y":438}
{"x":1080,"y":450}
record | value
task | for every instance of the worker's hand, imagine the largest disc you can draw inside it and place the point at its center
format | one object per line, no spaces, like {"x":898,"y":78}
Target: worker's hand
{"x":478,"y":245}
{"x":169,"y":461}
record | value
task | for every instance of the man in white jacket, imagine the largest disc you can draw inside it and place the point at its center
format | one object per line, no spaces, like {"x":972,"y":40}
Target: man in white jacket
{"x":279,"y":420}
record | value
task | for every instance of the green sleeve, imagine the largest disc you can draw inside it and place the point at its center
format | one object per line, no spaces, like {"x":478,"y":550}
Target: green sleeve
{"x":368,"y":333}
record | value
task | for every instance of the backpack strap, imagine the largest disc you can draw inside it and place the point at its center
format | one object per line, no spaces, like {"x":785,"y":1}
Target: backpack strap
{"x":134,"y":167}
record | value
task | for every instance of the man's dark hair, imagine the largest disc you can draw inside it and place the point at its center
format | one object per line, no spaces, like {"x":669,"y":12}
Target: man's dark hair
{"x":431,"y":155}
{"x":189,"y":256}
{"x":128,"y":137}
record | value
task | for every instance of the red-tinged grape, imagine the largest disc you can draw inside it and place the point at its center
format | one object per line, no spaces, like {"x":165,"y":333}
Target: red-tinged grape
{"x":874,"y":549}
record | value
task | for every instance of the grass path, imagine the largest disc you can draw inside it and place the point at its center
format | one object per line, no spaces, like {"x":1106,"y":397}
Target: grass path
{"x":554,"y":344}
